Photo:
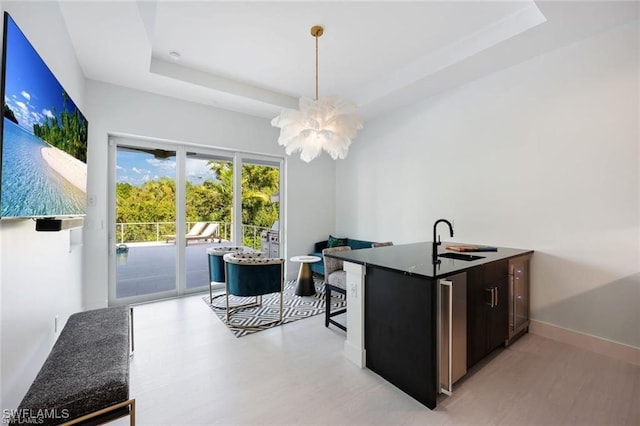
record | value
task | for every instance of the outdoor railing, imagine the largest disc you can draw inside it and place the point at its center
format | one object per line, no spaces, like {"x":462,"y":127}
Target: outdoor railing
{"x":136,"y":232}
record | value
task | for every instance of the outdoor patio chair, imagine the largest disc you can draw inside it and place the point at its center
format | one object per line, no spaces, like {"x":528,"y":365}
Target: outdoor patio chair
{"x":195,"y":230}
{"x":209,"y":233}
{"x":252,"y":275}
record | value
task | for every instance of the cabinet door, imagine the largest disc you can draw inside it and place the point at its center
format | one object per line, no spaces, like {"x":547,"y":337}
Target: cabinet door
{"x":488,"y":304}
{"x":519,"y":294}
{"x":476,"y":317}
{"x":497,"y":321}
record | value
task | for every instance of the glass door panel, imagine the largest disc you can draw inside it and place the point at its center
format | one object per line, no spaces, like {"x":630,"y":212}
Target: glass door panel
{"x":209,"y":200}
{"x":145,"y":225}
{"x":261,"y":205}
{"x":170,"y":203}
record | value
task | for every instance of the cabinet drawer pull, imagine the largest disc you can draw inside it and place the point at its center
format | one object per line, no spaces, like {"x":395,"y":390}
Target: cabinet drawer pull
{"x":493,"y":295}
{"x":490,"y":290}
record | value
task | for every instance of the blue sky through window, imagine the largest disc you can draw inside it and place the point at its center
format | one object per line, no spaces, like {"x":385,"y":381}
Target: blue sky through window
{"x":31,"y":90}
{"x":137,"y":168}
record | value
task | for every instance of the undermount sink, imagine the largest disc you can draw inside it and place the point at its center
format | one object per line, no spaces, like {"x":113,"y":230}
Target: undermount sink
{"x":461,"y":256}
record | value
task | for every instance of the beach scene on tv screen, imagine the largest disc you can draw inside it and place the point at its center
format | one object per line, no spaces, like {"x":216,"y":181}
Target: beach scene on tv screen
{"x":44,"y":138}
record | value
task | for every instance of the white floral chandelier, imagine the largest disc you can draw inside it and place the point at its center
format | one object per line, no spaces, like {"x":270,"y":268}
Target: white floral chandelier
{"x":327,"y":123}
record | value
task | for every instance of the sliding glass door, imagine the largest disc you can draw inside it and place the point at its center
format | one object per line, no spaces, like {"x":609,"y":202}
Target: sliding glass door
{"x":145,"y":222}
{"x":208,"y":210}
{"x":171,"y":203}
{"x":260,"y":195}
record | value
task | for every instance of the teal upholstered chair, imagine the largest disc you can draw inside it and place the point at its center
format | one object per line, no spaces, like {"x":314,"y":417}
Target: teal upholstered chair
{"x":216,"y":266}
{"x":253,"y":275}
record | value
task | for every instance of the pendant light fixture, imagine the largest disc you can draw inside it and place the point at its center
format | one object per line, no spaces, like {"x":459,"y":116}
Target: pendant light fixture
{"x":327,"y":123}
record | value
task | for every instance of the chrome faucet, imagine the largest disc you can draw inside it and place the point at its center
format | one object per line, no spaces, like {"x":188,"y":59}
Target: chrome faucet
{"x":434,"y":250}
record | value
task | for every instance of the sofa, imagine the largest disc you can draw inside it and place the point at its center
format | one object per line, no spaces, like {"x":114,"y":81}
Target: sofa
{"x":318,"y":267}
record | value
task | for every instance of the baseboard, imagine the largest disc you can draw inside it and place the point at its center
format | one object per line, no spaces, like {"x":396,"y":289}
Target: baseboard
{"x":355,"y":354}
{"x":612,"y":349}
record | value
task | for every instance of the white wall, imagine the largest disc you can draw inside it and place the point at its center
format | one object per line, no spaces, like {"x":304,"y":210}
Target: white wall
{"x":310,"y":188}
{"x":40,"y":272}
{"x":41,"y":278}
{"x":543,"y":155}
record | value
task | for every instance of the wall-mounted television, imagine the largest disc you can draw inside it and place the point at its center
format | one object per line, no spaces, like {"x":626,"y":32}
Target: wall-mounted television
{"x":43,"y":137}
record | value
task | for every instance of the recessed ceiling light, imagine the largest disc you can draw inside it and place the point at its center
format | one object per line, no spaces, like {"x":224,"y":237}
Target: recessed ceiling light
{"x":174,"y":55}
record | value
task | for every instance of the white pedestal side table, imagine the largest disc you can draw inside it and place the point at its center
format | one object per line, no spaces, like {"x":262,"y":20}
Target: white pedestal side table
{"x":304,"y":286}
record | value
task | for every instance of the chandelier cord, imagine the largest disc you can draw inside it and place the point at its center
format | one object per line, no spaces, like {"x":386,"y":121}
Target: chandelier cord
{"x":316,"y":37}
{"x":317,"y":31}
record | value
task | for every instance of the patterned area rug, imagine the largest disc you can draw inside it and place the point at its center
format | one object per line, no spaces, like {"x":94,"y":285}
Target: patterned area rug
{"x":293,"y":308}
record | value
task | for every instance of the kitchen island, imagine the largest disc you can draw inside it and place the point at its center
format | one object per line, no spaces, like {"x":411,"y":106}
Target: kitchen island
{"x":393,"y":310}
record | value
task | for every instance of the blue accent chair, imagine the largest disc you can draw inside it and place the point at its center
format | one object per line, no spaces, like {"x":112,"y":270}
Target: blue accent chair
{"x":253,"y":275}
{"x":216,"y":266}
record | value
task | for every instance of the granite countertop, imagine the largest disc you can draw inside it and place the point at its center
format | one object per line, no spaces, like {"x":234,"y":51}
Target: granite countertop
{"x":415,"y":259}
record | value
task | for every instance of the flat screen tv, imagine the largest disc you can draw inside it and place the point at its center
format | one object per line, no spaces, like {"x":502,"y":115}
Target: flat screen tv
{"x":44,"y":137}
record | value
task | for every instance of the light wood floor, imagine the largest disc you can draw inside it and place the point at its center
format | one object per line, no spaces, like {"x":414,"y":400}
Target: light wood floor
{"x":189,"y":369}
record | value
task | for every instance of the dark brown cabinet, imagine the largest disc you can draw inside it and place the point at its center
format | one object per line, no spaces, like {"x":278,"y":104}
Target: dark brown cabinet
{"x":487,"y":309}
{"x":401,"y":294}
{"x":400,"y":331}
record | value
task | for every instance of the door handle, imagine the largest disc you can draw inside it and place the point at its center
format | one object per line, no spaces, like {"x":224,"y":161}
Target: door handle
{"x":493,"y":295}
{"x":490,"y":290}
{"x":512,"y":299}
{"x":447,"y":389}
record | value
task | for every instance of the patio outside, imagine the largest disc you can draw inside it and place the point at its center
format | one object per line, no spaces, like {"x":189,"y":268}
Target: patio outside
{"x":146,"y":213}
{"x":147,"y":267}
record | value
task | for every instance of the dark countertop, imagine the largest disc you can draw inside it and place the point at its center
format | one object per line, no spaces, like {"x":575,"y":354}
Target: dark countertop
{"x":415,"y":259}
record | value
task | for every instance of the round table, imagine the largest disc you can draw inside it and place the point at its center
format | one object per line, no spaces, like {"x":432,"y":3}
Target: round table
{"x":305,"y":286}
